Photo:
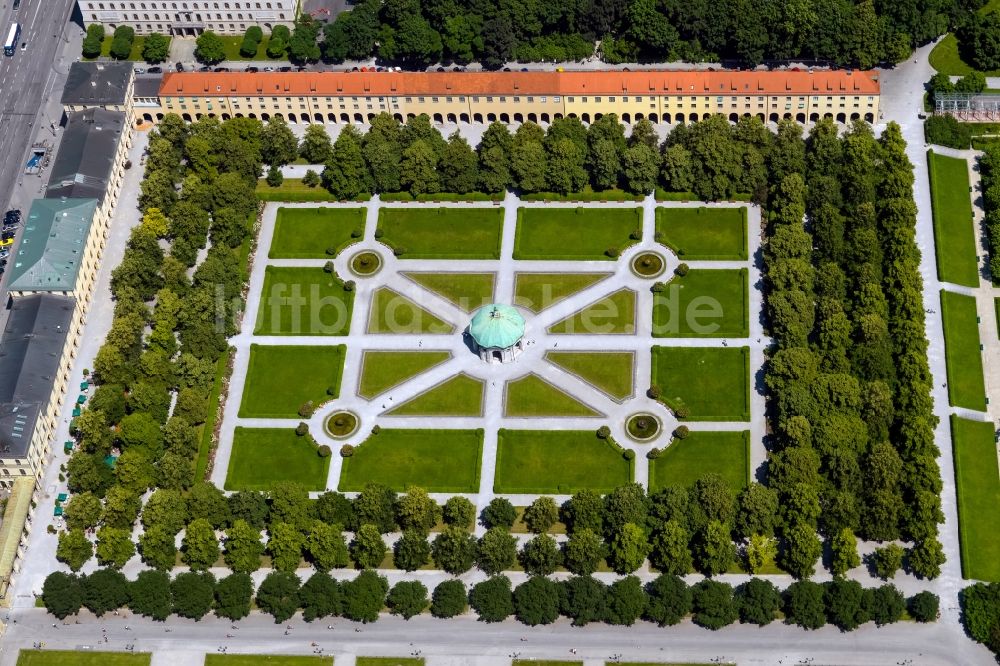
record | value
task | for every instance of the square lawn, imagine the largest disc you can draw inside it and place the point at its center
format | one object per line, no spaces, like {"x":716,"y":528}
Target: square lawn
{"x":303,"y":301}
{"x":306,"y":233}
{"x":281,"y":378}
{"x":262,"y":457}
{"x":954,"y":231}
{"x":443,"y":233}
{"x":704,"y":233}
{"x":702,"y":452}
{"x":574,"y":233}
{"x":558,"y":462}
{"x":963,"y":359}
{"x":440,"y":461}
{"x":74,"y":658}
{"x":703,"y":304}
{"x":712,"y":383}
{"x":978,"y":497}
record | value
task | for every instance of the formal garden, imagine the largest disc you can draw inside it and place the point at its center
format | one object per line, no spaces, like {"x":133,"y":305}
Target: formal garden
{"x":368,"y":422}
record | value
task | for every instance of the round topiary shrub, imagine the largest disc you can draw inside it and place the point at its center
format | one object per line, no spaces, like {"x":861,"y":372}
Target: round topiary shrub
{"x":604,"y":432}
{"x":681,"y":432}
{"x":653,"y":453}
{"x":681,"y":270}
{"x":331,"y":251}
{"x":347,"y":450}
{"x":302,"y":429}
{"x":379,"y":233}
{"x":324,"y":451}
{"x":328,"y":267}
{"x":628,"y":454}
{"x":358,"y":232}
{"x":399,"y":251}
{"x":307,"y":409}
{"x":376,"y":429}
{"x":654,"y":392}
{"x":613,"y":252}
{"x":658,"y":287}
{"x":636,"y":234}
{"x":682,"y":412}
{"x":331,"y":390}
{"x":350,"y":285}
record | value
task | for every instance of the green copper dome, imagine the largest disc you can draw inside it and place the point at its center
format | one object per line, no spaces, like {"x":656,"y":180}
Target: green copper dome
{"x":496,"y":326}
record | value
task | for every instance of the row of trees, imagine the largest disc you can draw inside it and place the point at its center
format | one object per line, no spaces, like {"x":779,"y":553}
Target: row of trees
{"x":706,"y":527}
{"x":665,"y":600}
{"x":155,"y":46}
{"x":989,"y":170}
{"x":981,"y":613}
{"x":853,"y":451}
{"x":846,"y":33}
{"x":712,"y":159}
{"x":156,"y":368}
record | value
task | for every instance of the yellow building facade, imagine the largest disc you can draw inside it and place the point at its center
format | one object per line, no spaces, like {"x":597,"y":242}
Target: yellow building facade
{"x":512,"y":97}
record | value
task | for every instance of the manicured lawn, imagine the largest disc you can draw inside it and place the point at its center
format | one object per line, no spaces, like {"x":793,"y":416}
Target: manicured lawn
{"x":703,"y":304}
{"x":265,"y":659}
{"x":611,"y":372}
{"x":389,"y":661}
{"x":461,"y":395}
{"x":466,"y":290}
{"x":537,"y":291}
{"x":954,"y":232}
{"x":704,"y":233}
{"x":391,"y":312}
{"x":574,"y":233}
{"x":306,"y":233}
{"x":533,"y":396}
{"x":73,"y":658}
{"x":231,"y":44}
{"x":294,"y":190}
{"x":945,"y":58}
{"x":613,"y":314}
{"x":978,"y":498}
{"x":134,"y":54}
{"x":443,"y":233}
{"x":440,"y":461}
{"x":558,"y":461}
{"x":281,"y":378}
{"x":963,"y":358}
{"x":685,"y":461}
{"x":303,"y":301}
{"x":711,"y":382}
{"x":262,"y":457}
{"x":996,"y":312}
{"x":382,"y":370}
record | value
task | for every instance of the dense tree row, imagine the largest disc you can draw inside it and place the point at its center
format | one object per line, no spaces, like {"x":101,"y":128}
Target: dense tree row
{"x":155,"y":370}
{"x":665,"y":600}
{"x":713,"y":159}
{"x":853,"y":451}
{"x":420,"y":33}
{"x":989,"y":170}
{"x":978,"y":39}
{"x":981,"y":613}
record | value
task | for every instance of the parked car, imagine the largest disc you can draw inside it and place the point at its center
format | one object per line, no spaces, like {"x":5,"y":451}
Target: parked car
{"x":253,"y":69}
{"x":180,"y":67}
{"x":139,"y":70}
{"x":204,"y":68}
{"x":155,"y":70}
{"x":269,"y":69}
{"x":284,"y":69}
{"x":222,"y":69}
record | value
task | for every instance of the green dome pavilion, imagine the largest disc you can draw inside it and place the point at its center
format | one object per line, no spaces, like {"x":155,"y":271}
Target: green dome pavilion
{"x":497,"y":330}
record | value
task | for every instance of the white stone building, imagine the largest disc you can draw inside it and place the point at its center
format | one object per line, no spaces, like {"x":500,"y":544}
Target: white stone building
{"x":189,"y":17}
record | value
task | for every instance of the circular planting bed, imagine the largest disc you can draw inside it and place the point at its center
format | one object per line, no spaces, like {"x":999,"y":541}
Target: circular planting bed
{"x":642,"y":427}
{"x":648,"y":265}
{"x":366,"y":263}
{"x":341,"y":424}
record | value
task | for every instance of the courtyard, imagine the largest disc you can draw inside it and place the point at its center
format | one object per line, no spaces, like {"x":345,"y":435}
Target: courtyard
{"x":385,"y":339}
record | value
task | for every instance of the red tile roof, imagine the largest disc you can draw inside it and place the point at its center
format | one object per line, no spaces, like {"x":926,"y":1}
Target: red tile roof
{"x":360,"y":84}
